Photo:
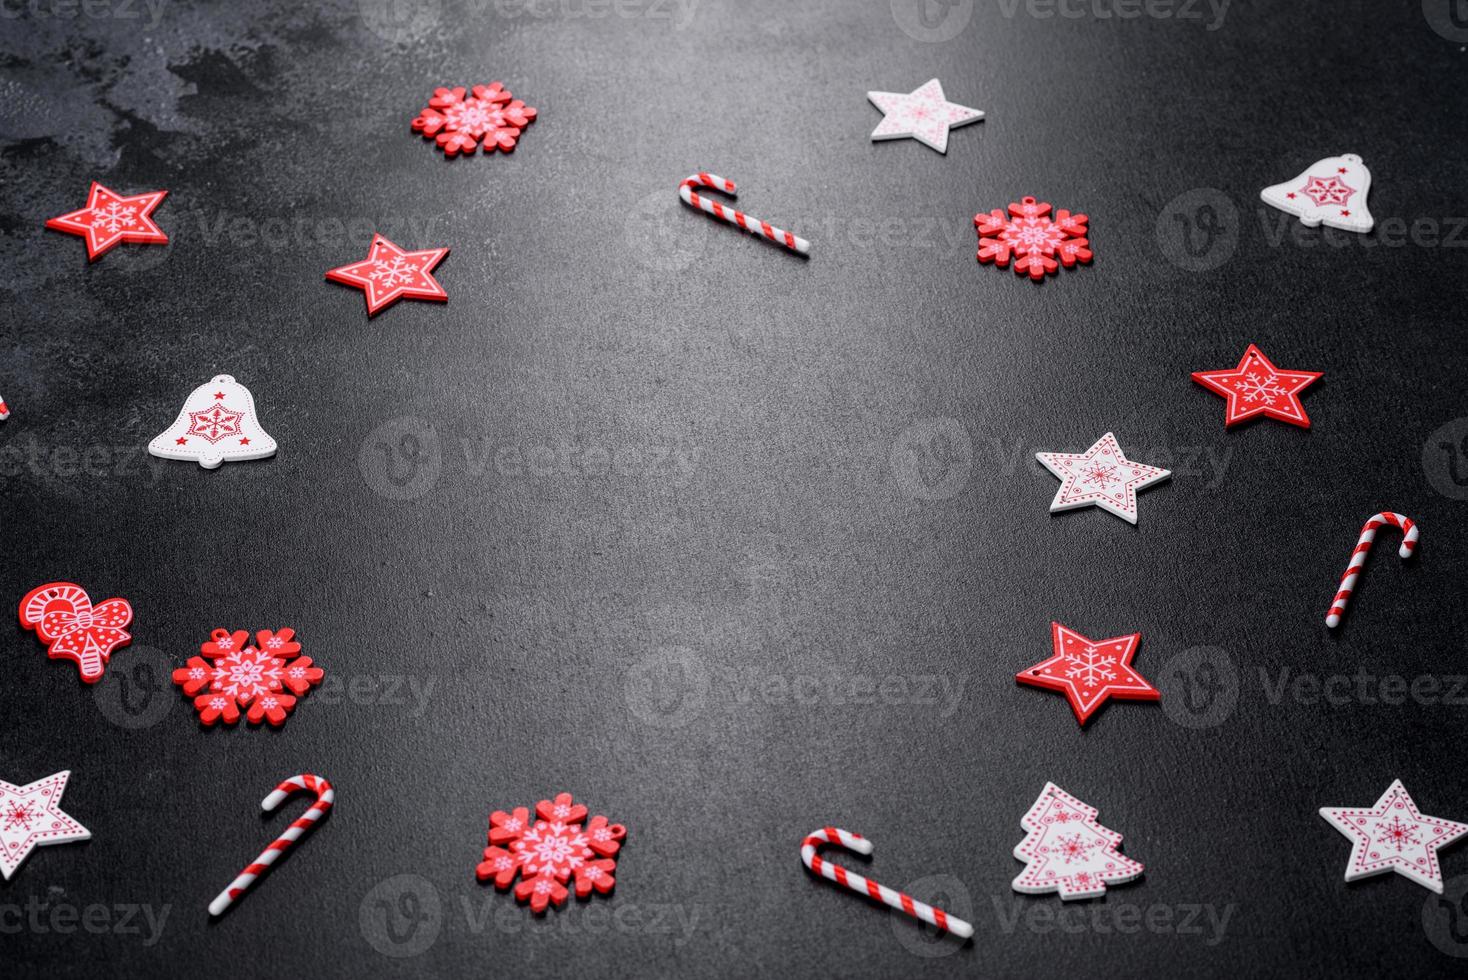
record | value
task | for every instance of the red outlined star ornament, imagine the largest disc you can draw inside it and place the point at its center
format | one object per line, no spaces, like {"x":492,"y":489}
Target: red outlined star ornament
{"x":1393,"y":835}
{"x":390,"y":273}
{"x":1088,"y":672}
{"x":1103,"y":476}
{"x":111,"y":218}
{"x":1256,"y":388}
{"x":31,"y":817}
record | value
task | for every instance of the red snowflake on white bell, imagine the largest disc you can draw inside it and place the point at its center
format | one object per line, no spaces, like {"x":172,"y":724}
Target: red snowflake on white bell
{"x":1041,"y":243}
{"x":461,"y":121}
{"x":548,"y":853}
{"x":233,"y":674}
{"x":1327,"y":190}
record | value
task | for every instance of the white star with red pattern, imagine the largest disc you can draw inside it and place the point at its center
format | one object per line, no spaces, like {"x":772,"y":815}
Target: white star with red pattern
{"x":31,"y":817}
{"x":1393,"y":835}
{"x":1103,"y":476}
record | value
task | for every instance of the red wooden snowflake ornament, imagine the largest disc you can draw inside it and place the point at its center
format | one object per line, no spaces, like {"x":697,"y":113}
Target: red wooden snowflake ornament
{"x":1041,"y":243}
{"x":1088,"y":672}
{"x":487,"y":116}
{"x":549,"y":852}
{"x":233,"y":674}
{"x":1256,"y":388}
{"x":64,"y":618}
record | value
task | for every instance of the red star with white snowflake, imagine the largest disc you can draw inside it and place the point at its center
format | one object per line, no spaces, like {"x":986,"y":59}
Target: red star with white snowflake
{"x":1393,"y":835}
{"x":1089,"y":672}
{"x":1328,"y":190}
{"x":1257,"y":388}
{"x":390,"y":273}
{"x":110,"y":218}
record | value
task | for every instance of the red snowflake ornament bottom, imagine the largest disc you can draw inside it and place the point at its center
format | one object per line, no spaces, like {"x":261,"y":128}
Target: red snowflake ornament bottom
{"x":1038,"y":240}
{"x":549,"y":852}
{"x":462,"y":121}
{"x":233,"y":674}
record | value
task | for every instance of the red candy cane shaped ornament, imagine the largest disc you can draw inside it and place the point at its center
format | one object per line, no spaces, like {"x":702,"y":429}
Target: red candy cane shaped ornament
{"x":1358,"y":558}
{"x":865,"y":886}
{"x":325,"y":796}
{"x":750,"y":224}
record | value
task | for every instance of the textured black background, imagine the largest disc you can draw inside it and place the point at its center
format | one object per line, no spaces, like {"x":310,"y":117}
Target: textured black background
{"x":667,"y":488}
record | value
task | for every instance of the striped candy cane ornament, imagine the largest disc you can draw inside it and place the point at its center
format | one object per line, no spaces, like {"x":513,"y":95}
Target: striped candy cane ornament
{"x":750,"y":224}
{"x":1358,"y":558}
{"x":325,"y":796}
{"x":4,"y":409}
{"x":865,"y":886}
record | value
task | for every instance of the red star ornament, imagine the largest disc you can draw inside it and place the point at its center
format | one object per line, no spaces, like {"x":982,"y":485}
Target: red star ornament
{"x":1090,"y":671}
{"x":1393,"y":835}
{"x":1257,"y":388}
{"x":110,"y":218}
{"x":389,"y":274}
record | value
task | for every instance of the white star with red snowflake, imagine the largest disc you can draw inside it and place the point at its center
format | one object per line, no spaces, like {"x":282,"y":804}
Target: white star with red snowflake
{"x":1393,"y":835}
{"x":1103,"y":476}
{"x":923,"y":114}
{"x":31,"y":817}
{"x":390,"y":273}
{"x":110,"y":219}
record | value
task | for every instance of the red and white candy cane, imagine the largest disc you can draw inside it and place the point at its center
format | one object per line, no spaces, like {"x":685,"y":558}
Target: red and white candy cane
{"x":4,"y":409}
{"x":325,"y":796}
{"x":1358,"y":558}
{"x":865,"y":886}
{"x":750,"y":224}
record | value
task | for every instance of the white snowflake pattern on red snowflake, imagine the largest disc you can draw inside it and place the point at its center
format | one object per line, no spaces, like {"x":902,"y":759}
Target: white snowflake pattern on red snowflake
{"x":239,"y":675}
{"x":551,"y":851}
{"x":1041,"y":243}
{"x":461,"y":120}
{"x":1091,"y":667}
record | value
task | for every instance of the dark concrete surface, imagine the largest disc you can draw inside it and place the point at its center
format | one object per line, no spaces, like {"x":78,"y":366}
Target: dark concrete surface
{"x":648,"y":507}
